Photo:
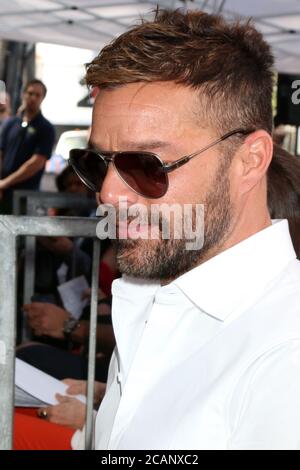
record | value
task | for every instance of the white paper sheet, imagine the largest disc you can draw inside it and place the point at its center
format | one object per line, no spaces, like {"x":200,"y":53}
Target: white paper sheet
{"x":35,"y":388}
{"x":71,"y":295}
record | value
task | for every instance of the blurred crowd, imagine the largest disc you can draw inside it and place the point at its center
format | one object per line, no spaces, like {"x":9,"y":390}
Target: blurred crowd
{"x":55,"y":341}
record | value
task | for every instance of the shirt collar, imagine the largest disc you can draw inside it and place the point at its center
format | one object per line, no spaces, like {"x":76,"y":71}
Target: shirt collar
{"x":128,"y":286}
{"x":35,"y":119}
{"x":220,"y":286}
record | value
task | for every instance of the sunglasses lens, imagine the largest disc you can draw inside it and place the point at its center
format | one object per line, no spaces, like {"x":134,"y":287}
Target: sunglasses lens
{"x":143,"y":172}
{"x":90,"y":168}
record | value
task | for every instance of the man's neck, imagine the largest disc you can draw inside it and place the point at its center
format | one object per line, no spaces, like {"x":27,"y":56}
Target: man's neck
{"x":246,"y":227}
{"x":30,"y":115}
{"x":240,"y":231}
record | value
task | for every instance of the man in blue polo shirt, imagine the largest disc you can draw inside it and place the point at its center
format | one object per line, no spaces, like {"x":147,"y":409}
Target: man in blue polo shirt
{"x":26,"y":143}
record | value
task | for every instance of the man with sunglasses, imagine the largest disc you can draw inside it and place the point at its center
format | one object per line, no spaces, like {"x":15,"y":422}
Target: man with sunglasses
{"x":208,"y":340}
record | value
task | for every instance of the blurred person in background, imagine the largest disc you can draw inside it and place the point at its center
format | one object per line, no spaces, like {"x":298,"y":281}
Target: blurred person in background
{"x":26,"y":144}
{"x":52,"y":427}
{"x":5,"y":110}
{"x":59,"y":259}
{"x":284,"y":191}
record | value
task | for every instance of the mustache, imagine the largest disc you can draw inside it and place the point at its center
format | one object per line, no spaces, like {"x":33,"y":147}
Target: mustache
{"x":143,"y":219}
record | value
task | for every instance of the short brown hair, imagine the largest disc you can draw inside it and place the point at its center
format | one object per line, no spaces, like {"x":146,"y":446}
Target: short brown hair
{"x":36,"y":81}
{"x":229,"y":63}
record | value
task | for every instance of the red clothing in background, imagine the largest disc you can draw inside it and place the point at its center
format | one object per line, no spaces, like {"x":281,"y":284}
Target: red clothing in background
{"x":106,"y":277}
{"x":34,"y":433}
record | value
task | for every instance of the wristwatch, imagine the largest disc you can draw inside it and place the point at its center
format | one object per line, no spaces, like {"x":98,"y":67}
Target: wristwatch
{"x":69,"y":327}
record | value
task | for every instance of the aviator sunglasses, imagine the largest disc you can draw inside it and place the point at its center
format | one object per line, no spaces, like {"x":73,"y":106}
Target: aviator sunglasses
{"x":143,"y":172}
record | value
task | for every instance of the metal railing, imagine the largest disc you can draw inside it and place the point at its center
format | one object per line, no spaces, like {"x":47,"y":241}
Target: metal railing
{"x":12,"y":227}
{"x":37,"y":203}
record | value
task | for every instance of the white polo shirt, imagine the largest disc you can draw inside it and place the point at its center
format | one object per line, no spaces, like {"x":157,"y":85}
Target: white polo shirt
{"x":211,"y":360}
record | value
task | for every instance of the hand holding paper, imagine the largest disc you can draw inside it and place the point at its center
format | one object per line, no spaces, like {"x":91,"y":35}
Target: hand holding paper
{"x":35,"y":388}
{"x":71,"y":294}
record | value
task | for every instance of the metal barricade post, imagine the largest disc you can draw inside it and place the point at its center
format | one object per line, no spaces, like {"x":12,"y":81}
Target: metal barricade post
{"x":37,"y":203}
{"x":12,"y":227}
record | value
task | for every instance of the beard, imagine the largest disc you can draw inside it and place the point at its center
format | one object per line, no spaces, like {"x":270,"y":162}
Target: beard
{"x":166,"y":259}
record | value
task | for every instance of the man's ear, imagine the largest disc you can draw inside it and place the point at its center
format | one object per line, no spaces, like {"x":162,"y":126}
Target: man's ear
{"x":255,"y":158}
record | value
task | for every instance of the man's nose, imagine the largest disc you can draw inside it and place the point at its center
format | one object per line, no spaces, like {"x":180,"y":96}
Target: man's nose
{"x":114,"y":187}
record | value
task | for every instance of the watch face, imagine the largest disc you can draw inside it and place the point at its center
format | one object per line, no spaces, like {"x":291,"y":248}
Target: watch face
{"x":70,"y":325}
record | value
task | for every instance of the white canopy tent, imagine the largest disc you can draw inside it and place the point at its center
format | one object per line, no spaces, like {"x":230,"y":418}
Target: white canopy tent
{"x":91,"y":24}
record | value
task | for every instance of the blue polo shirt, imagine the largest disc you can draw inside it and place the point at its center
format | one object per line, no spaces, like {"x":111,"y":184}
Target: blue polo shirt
{"x":19,"y":144}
